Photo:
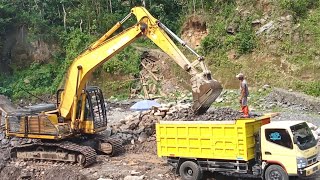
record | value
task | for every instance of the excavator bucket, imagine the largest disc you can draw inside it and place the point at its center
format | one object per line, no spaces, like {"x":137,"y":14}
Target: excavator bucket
{"x":204,"y":91}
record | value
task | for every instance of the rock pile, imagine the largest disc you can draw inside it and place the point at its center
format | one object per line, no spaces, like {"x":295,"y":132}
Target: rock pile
{"x":293,"y":100}
{"x":315,"y":131}
{"x":217,"y":114}
{"x":141,"y":127}
{"x":135,"y":128}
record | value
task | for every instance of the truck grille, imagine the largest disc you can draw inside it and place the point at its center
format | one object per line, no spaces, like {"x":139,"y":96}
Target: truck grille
{"x":311,"y":160}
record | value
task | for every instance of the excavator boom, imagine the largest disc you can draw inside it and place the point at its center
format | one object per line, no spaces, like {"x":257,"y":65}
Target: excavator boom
{"x":205,"y":90}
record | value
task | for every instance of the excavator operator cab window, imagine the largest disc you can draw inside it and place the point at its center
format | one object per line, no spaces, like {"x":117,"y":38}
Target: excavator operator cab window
{"x":95,"y":108}
{"x":87,"y":110}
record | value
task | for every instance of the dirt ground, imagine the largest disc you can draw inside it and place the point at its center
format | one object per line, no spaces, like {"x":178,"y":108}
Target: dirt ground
{"x":140,"y":161}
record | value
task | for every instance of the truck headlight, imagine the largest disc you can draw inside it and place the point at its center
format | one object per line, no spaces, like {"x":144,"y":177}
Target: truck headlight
{"x":301,"y":162}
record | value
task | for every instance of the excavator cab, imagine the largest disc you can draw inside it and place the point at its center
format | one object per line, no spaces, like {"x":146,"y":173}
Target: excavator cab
{"x":91,"y":110}
{"x":95,"y":109}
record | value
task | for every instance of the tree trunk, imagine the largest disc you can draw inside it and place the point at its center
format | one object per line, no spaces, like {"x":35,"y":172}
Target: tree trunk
{"x":89,"y":25}
{"x":59,"y":11}
{"x":194,"y":6}
{"x":110,"y":6}
{"x":64,"y":18}
{"x":81,"y":25}
{"x":202,"y":6}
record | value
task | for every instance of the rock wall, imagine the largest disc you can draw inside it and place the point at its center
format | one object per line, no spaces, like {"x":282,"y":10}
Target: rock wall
{"x":20,"y":49}
{"x":194,"y":30}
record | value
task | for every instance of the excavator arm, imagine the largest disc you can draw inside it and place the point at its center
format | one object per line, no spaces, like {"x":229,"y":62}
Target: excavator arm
{"x":205,"y":90}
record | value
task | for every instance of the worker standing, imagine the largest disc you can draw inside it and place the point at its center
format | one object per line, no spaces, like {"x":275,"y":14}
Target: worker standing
{"x":244,"y":93}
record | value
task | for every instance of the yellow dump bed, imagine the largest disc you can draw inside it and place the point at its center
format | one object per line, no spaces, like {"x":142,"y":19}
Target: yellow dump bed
{"x":228,"y":140}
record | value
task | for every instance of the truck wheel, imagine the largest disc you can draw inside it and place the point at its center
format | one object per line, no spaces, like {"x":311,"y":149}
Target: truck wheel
{"x":189,"y":170}
{"x":275,"y":172}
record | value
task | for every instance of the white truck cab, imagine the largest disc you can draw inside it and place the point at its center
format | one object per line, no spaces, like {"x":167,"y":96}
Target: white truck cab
{"x":290,"y":147}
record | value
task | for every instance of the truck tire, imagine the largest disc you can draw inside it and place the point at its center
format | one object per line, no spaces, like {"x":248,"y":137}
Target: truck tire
{"x":275,"y":172}
{"x":189,"y":170}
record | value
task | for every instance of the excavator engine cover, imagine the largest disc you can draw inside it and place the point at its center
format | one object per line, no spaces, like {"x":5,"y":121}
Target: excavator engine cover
{"x":204,"y":91}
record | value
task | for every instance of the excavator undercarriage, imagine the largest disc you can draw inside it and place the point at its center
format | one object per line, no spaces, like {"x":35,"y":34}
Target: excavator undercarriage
{"x":62,"y":152}
{"x":83,"y":153}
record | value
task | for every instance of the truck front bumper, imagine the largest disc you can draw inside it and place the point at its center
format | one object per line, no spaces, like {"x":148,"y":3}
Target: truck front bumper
{"x":308,"y":171}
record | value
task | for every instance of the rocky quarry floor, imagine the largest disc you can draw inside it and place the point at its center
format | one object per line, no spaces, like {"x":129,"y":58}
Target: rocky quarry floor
{"x":137,"y":130}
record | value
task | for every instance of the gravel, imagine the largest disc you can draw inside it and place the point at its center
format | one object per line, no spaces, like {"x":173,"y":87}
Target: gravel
{"x":298,"y":116}
{"x":213,"y":114}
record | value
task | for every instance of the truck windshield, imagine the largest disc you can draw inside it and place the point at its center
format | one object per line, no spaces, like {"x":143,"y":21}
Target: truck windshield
{"x":303,"y":136}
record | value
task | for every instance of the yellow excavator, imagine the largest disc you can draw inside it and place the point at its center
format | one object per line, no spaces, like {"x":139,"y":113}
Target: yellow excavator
{"x":68,"y":131}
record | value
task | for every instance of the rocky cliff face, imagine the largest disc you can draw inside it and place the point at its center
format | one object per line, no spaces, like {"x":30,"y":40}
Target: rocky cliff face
{"x":20,"y":50}
{"x":194,"y":30}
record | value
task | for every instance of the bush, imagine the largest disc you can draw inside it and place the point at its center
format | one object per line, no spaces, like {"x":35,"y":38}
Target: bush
{"x":126,"y":62}
{"x":210,"y":43}
{"x":37,"y":79}
{"x":310,"y":88}
{"x":299,"y":7}
{"x":245,"y":39}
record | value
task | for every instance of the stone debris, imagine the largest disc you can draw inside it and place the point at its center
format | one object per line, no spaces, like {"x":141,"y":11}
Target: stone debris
{"x":140,"y":127}
{"x":133,"y":177}
{"x":216,"y":114}
{"x":315,"y":130}
{"x":265,"y":27}
{"x":137,"y":129}
{"x":293,"y":100}
{"x":10,"y":172}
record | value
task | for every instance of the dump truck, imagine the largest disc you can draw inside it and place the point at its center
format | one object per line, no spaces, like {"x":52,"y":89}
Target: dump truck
{"x":248,"y":147}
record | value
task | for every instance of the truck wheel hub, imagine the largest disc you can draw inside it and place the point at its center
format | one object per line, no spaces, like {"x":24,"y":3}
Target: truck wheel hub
{"x":275,"y":175}
{"x":189,"y":172}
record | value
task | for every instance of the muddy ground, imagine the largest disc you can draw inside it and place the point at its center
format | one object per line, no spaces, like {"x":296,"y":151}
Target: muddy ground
{"x":140,"y":160}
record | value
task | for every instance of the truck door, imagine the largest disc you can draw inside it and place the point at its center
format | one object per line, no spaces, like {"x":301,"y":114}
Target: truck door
{"x":277,"y":148}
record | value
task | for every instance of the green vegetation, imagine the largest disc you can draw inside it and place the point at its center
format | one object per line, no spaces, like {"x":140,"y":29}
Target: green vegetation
{"x":243,"y":39}
{"x":126,"y":62}
{"x":301,"y":47}
{"x":299,"y":8}
{"x":288,"y":59}
{"x":38,"y":79}
{"x":290,"y":56}
{"x":72,"y":26}
{"x":311,"y":88}
{"x":219,"y":43}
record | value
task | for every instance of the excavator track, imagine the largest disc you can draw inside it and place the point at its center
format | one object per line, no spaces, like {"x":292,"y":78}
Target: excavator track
{"x":110,"y":146}
{"x":60,"y":151}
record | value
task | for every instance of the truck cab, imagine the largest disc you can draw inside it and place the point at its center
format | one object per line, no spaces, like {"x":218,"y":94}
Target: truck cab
{"x":289,"y":146}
